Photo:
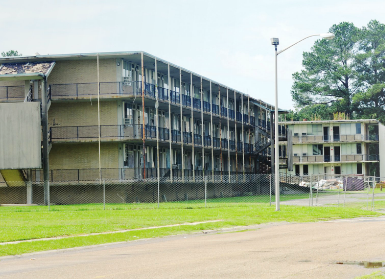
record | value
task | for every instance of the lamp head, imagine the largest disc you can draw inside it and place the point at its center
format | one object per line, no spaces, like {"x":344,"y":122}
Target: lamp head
{"x":274,"y":41}
{"x":328,"y":36}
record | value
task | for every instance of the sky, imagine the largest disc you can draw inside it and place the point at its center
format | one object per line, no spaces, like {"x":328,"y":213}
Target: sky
{"x":226,"y":41}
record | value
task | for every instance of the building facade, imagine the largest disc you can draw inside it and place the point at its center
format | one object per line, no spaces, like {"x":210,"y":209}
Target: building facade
{"x":131,"y":115}
{"x":335,"y":147}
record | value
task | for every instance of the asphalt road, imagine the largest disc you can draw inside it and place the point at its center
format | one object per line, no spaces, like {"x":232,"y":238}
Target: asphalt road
{"x":306,"y":250}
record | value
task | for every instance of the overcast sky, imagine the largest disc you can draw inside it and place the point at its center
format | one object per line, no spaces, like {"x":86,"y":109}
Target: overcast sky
{"x":227,"y":41}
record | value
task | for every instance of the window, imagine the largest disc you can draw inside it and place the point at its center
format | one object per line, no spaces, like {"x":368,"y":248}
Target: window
{"x":128,"y":113}
{"x":359,"y":168}
{"x":358,"y":128}
{"x":314,"y":129}
{"x":317,"y":149}
{"x":359,"y":151}
{"x":129,"y":156}
{"x":337,"y":170}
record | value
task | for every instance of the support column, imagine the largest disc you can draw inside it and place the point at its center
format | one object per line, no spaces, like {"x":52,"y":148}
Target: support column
{"x":202,"y":132}
{"x":228,"y":133}
{"x":236,"y":134}
{"x":243,"y":139}
{"x":143,"y":121}
{"x":212,"y":138}
{"x":169,"y":117}
{"x":44,"y":124}
{"x":220,"y":128}
{"x":192,"y":127}
{"x":181,"y":121}
{"x":157,"y":122}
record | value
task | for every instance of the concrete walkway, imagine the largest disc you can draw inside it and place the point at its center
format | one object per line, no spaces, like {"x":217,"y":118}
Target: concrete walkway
{"x":284,"y":250}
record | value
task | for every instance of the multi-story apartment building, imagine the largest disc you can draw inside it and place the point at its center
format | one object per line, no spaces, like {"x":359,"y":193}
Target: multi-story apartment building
{"x":137,"y":116}
{"x":336,"y":147}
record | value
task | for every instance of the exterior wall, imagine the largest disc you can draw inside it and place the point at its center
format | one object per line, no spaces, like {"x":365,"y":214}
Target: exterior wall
{"x":83,"y":113}
{"x":20,"y":135}
{"x":83,"y":71}
{"x":84,"y":156}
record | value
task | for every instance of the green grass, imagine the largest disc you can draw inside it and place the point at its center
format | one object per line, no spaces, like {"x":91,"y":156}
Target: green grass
{"x":24,"y":223}
{"x":374,"y":275}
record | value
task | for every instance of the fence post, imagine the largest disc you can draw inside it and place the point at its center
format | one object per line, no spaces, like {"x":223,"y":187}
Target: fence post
{"x":316,"y":198}
{"x":367,"y":196}
{"x":374,"y":185}
{"x":104,"y":195}
{"x":311,"y":192}
{"x":270,"y":187}
{"x":205,"y":192}
{"x":346,"y":185}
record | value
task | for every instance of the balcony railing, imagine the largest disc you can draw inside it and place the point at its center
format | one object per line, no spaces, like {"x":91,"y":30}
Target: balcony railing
{"x":223,"y":111}
{"x":336,"y":158}
{"x":304,"y":138}
{"x":206,"y":106}
{"x":245,"y":118}
{"x":207,"y":141}
{"x":186,"y":100}
{"x":232,"y":145}
{"x":216,"y":142}
{"x":248,"y":148}
{"x":187,"y":137}
{"x":163,"y":93}
{"x":197,"y":103}
{"x":197,"y":139}
{"x":175,"y":136}
{"x":12,"y":93}
{"x":239,"y":146}
{"x":252,"y":120}
{"x":175,"y":97}
{"x":215,"y":109}
{"x":239,"y":116}
{"x":231,"y":114}
{"x":225,"y":144}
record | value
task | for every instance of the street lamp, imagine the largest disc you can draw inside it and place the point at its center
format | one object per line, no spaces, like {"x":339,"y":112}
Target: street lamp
{"x":275,"y":43}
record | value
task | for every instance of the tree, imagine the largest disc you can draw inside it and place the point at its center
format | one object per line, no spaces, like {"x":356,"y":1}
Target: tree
{"x":11,"y":53}
{"x":311,"y":112}
{"x":370,"y":63}
{"x":329,"y":76}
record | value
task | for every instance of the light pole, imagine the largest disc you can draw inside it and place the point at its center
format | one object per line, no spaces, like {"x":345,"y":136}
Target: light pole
{"x":275,"y":43}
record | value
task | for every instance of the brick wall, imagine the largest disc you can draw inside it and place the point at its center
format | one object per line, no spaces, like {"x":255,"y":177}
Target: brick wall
{"x":83,"y":113}
{"x":83,"y":71}
{"x":84,"y":156}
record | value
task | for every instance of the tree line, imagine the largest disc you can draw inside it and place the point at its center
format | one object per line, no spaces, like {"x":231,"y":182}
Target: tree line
{"x":343,"y":77}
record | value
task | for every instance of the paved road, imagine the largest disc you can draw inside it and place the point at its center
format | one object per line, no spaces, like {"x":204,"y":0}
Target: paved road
{"x":283,"y":250}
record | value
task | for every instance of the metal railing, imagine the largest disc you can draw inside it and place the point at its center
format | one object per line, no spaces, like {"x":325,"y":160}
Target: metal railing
{"x":186,"y":100}
{"x":305,"y":138}
{"x":206,"y":106}
{"x":336,"y":158}
{"x":12,"y":93}
{"x":215,"y":109}
{"x":197,"y":103}
{"x":223,"y":112}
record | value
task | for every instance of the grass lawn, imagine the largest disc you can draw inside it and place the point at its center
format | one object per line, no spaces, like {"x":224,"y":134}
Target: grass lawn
{"x":34,"y":222}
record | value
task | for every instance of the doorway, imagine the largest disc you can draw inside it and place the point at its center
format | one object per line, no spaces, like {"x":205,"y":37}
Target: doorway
{"x":337,"y":153}
{"x":326,"y":153}
{"x":336,"y":133}
{"x":326,"y":133}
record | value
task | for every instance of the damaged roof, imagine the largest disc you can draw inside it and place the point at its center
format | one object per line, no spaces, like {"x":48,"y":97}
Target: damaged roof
{"x":25,"y":68}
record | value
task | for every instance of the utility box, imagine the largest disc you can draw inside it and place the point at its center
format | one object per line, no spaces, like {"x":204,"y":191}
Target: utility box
{"x":20,"y":135}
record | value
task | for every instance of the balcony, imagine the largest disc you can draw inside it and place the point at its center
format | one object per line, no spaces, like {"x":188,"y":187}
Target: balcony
{"x":12,"y":93}
{"x":252,"y":120}
{"x":215,"y":109}
{"x":107,"y":133}
{"x":231,"y":114}
{"x":232,"y":145}
{"x":206,"y":106}
{"x":304,"y":138}
{"x":207,"y":141}
{"x":225,"y":144}
{"x":163,"y":94}
{"x":216,"y":142}
{"x":336,"y":158}
{"x":239,"y":116}
{"x":239,"y":146}
{"x":186,"y":100}
{"x":175,"y":97}
{"x":245,"y":119}
{"x":197,"y":139}
{"x":187,"y":137}
{"x":223,"y":112}
{"x":175,"y":136}
{"x":196,"y":103}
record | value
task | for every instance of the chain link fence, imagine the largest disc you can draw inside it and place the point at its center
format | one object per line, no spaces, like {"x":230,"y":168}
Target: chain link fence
{"x":219,"y":190}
